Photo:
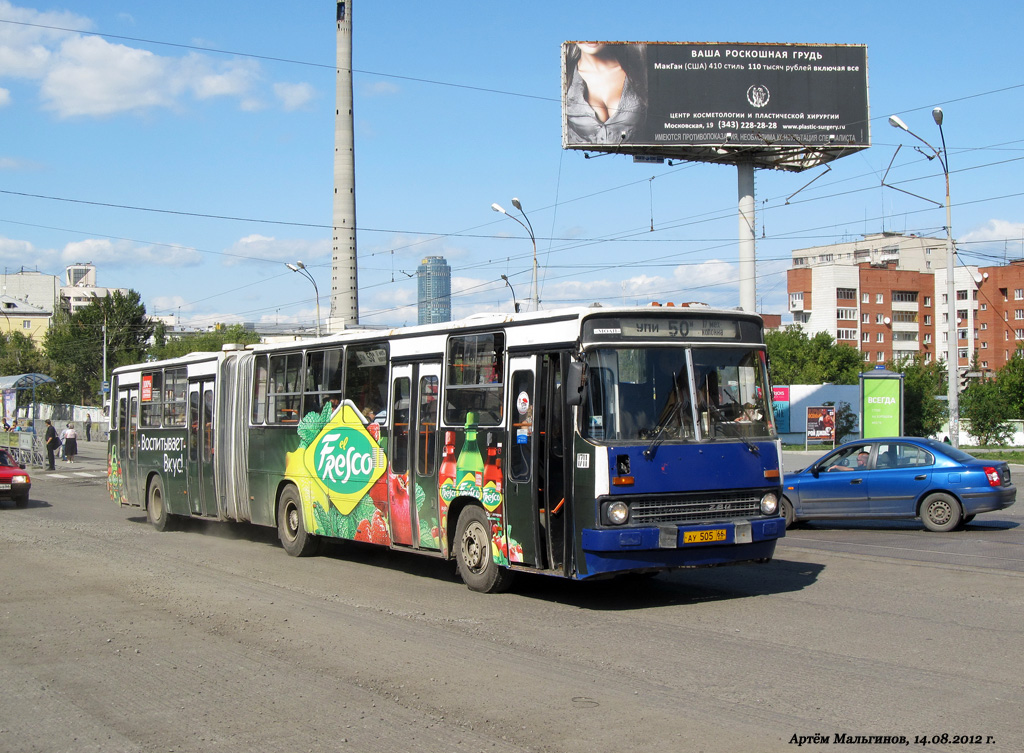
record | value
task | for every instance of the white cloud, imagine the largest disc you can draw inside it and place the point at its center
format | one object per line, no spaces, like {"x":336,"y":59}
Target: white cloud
{"x":381,"y":89}
{"x":93,"y":77}
{"x":82,"y":75}
{"x":233,"y":79}
{"x":128,"y":254}
{"x":166,"y":304}
{"x":26,"y":51}
{"x":995,"y":231}
{"x":294,"y":96}
{"x":284,"y":250}
{"x":16,"y":253}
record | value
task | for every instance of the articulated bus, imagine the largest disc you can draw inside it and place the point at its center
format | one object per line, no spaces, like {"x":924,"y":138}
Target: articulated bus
{"x":581,"y":443}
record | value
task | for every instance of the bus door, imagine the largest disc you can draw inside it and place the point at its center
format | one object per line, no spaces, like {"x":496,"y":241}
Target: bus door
{"x":521,"y":494}
{"x":126,"y":443}
{"x":537,"y":513}
{"x":552,"y":476}
{"x":426,"y":448}
{"x":400,"y":449}
{"x":199,"y":468}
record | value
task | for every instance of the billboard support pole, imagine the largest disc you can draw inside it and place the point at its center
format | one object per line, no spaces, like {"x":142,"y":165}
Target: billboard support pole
{"x":748,"y":266}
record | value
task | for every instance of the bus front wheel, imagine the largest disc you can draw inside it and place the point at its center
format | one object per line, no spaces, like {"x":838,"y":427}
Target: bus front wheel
{"x":156,"y":506}
{"x":290,"y":527}
{"x":477,"y":567}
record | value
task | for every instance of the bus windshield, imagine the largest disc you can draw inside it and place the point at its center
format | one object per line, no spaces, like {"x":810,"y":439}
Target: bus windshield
{"x":682,"y":394}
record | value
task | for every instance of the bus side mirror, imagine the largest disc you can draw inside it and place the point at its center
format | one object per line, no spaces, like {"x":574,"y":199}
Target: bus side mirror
{"x":574,"y":383}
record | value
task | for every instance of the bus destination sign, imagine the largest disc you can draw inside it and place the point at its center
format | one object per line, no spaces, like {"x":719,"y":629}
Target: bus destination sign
{"x":659,"y":328}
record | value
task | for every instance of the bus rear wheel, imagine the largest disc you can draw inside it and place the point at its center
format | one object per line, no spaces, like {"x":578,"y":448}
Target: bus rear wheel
{"x":156,"y":506}
{"x":290,"y":527}
{"x":477,"y":567}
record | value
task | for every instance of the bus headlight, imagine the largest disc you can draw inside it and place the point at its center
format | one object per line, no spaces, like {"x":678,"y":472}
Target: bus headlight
{"x":616,"y":513}
{"x":769,"y":504}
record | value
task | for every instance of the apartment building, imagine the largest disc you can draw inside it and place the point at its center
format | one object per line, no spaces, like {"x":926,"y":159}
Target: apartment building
{"x":886,"y":294}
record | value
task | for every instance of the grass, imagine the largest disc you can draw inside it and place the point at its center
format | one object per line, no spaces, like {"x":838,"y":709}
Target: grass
{"x":1010,"y":456}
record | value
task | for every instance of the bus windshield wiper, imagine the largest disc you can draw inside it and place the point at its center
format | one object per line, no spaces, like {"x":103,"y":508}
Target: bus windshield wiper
{"x":649,"y":452}
{"x":730,"y":427}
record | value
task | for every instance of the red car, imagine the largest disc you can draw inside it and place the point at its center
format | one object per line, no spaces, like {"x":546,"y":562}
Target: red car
{"x":14,"y":480}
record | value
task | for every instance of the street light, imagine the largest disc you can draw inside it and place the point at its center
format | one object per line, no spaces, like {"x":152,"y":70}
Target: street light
{"x":104,"y":380}
{"x":515,"y":303}
{"x":300,"y":267}
{"x":528,"y":227}
{"x":952,"y":352}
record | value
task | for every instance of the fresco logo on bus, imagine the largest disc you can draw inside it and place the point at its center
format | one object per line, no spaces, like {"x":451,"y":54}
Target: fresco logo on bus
{"x":347,"y":461}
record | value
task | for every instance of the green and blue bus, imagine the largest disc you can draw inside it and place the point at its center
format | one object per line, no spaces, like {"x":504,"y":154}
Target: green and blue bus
{"x":580,"y":443}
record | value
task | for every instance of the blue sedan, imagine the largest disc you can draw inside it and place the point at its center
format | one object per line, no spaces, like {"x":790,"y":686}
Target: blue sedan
{"x":898,"y":477}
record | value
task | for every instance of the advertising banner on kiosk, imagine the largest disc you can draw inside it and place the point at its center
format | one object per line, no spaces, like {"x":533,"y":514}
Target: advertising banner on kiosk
{"x":881,"y":403}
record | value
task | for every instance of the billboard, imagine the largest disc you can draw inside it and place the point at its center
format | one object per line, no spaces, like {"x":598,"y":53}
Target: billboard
{"x":782,"y":106}
{"x":780,"y":403}
{"x":821,"y":423}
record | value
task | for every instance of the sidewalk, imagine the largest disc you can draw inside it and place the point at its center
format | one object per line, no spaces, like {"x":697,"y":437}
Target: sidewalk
{"x":90,"y":461}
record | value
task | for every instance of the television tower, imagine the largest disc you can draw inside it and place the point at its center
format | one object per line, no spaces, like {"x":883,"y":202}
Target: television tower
{"x":344,"y":276}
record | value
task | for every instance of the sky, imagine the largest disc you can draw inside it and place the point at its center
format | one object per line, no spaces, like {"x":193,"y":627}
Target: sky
{"x":186,"y":149}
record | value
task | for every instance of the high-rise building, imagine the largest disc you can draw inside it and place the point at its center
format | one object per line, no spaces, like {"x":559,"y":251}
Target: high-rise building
{"x":434,"y":291}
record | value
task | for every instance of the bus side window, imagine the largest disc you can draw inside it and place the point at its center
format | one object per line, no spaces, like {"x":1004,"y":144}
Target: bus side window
{"x":521,"y":428}
{"x":399,"y":449}
{"x":427,"y":439}
{"x":259,"y":390}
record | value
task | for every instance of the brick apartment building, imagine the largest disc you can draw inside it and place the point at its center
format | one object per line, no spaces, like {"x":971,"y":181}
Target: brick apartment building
{"x":885,"y":294}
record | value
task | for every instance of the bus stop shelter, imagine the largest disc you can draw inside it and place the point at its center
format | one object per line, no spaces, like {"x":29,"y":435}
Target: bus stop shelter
{"x":25,"y":446}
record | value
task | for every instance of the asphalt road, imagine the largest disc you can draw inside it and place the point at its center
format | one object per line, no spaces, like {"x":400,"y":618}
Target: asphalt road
{"x":114,"y":637}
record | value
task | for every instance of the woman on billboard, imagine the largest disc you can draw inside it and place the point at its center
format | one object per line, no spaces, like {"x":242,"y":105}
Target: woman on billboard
{"x":605,"y":92}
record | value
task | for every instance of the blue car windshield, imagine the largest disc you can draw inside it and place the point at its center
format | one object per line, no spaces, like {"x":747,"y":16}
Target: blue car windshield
{"x":676,"y":394}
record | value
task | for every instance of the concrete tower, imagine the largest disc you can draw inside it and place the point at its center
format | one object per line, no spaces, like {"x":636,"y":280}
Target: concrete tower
{"x":344,"y":276}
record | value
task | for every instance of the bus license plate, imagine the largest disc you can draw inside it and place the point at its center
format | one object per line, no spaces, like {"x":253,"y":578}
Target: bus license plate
{"x":704,"y":537}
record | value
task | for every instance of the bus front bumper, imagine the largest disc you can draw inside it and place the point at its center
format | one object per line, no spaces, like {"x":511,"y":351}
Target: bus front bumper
{"x":610,"y":550}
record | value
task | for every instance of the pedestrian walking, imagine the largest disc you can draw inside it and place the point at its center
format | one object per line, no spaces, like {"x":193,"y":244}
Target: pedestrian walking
{"x":70,"y":443}
{"x":63,"y":434}
{"x":88,"y":427}
{"x":52,"y":443}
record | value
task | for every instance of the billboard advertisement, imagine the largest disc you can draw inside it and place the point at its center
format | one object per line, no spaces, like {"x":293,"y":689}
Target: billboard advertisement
{"x":780,"y":402}
{"x":673,"y":98}
{"x":821,"y":423}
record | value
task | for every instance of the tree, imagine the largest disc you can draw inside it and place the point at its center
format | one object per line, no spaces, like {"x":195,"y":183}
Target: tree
{"x":795,"y":358}
{"x":923,"y":412}
{"x":19,"y":355}
{"x":846,"y":420}
{"x":985,"y":407}
{"x":74,"y":343}
{"x":200,"y":341}
{"x":1011,"y":383}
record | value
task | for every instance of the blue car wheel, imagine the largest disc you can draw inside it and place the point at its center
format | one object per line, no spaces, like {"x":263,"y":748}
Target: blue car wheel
{"x":940,"y":513}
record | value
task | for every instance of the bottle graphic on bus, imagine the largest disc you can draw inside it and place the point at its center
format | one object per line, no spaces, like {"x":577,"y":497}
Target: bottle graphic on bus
{"x":469,"y":467}
{"x":491,"y":491}
{"x":446,"y":474}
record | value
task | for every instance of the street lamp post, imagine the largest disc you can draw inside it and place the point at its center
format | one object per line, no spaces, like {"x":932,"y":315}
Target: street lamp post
{"x":952,"y":351}
{"x":515,"y":303}
{"x":104,"y":380}
{"x":300,"y":267}
{"x":528,"y":227}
